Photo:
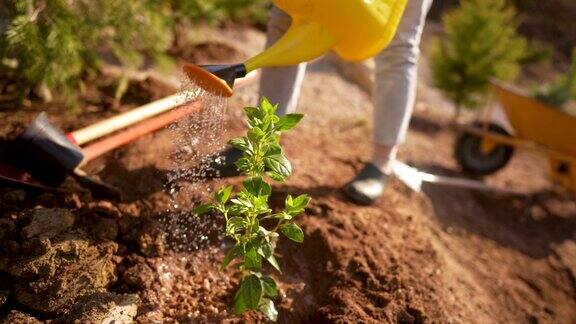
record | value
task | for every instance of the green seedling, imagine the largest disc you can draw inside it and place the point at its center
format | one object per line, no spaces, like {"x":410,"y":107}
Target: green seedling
{"x":250,"y":221}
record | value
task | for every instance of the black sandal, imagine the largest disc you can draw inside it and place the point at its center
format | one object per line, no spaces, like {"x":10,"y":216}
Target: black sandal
{"x":367,"y":186}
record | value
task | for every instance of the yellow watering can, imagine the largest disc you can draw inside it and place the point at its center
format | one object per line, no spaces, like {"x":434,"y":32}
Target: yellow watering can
{"x":355,"y":29}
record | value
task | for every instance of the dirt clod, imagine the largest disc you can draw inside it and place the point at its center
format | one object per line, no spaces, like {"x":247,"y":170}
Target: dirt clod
{"x":104,"y":208}
{"x":151,"y":239}
{"x":103,"y":307}
{"x":48,"y":222}
{"x":20,"y":318}
{"x":139,"y":276}
{"x":70,"y":267}
{"x":104,"y":229}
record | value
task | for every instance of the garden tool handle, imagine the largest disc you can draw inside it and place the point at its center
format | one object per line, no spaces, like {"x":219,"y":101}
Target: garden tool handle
{"x":136,"y":115}
{"x":148,"y":126}
{"x":110,"y":125}
{"x":131,"y":134}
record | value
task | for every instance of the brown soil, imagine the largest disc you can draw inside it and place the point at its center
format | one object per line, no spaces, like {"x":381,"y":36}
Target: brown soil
{"x":444,"y":255}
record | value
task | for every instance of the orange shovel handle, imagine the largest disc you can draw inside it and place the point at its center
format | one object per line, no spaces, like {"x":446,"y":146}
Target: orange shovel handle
{"x":131,"y":134}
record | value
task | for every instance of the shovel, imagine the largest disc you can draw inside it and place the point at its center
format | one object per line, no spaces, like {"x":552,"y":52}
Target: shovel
{"x":59,"y":157}
{"x":415,"y":179}
{"x":48,"y":155}
{"x":45,"y":155}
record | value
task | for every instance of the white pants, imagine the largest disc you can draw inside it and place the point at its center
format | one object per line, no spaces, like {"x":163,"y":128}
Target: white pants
{"x":396,"y":74}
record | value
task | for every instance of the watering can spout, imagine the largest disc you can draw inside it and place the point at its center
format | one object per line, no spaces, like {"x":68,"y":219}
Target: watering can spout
{"x":216,"y":79}
{"x":228,"y":73}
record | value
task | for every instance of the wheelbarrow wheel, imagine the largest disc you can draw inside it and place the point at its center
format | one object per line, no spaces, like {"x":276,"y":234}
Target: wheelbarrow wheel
{"x":473,"y":160}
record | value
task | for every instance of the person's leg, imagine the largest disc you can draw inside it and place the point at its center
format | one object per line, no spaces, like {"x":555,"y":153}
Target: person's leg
{"x":281,"y":85}
{"x":394,"y":97}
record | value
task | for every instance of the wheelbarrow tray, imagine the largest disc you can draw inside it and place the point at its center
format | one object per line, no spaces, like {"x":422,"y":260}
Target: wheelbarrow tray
{"x":537,"y":122}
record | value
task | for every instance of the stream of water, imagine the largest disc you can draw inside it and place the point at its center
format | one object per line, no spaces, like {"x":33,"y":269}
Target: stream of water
{"x":196,"y":139}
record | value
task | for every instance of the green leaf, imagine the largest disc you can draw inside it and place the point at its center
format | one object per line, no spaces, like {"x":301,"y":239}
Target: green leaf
{"x":266,"y":250}
{"x":257,"y":187}
{"x":296,"y":206}
{"x":234,"y":224}
{"x":284,"y":216}
{"x":252,"y":260}
{"x":293,"y":232}
{"x":256,"y":134}
{"x":267,"y":107}
{"x":203,"y":209}
{"x":273,"y":262}
{"x":254,"y":114}
{"x":233,"y":253}
{"x":242,"y":202}
{"x":267,"y":308}
{"x":278,"y":163}
{"x":223,"y":194}
{"x":275,"y":176}
{"x":243,"y":164}
{"x":273,"y":149}
{"x":249,"y":294}
{"x":301,"y":202}
{"x":261,"y":205}
{"x":288,"y":122}
{"x":269,"y":285}
{"x":240,"y":143}
{"x":255,"y":227}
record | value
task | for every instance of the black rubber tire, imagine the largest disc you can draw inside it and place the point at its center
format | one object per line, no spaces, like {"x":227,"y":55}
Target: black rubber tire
{"x":470,"y":157}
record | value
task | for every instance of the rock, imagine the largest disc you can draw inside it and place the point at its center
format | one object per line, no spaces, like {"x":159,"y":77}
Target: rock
{"x":139,"y":276}
{"x":104,"y":209}
{"x":150,"y":313}
{"x":103,"y":307}
{"x":151,"y":239}
{"x":104,"y":229}
{"x":71,"y":267}
{"x":19,"y":317}
{"x":73,"y":201}
{"x":48,"y":222}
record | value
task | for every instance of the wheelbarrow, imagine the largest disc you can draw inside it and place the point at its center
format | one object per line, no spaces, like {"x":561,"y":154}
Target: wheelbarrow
{"x":486,"y":147}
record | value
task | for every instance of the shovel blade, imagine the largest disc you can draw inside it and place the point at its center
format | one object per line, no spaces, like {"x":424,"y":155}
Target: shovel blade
{"x":15,"y":176}
{"x":46,"y":152}
{"x":410,"y":176}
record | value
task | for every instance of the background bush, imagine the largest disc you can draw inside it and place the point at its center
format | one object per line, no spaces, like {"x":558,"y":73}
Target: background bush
{"x":480,"y":42}
{"x":57,"y":43}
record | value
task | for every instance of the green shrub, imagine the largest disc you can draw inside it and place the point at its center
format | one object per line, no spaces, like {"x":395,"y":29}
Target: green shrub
{"x":480,"y":43}
{"x":58,"y":43}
